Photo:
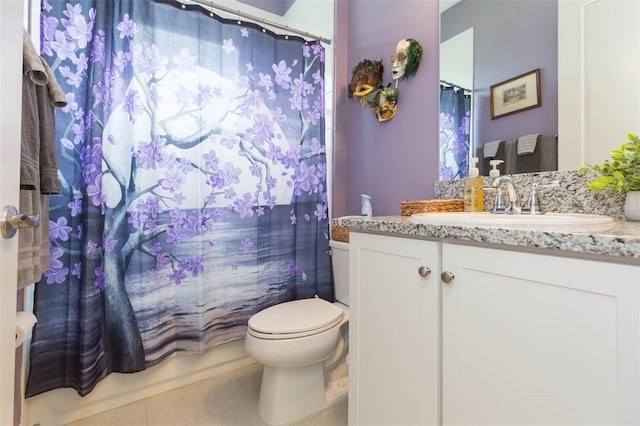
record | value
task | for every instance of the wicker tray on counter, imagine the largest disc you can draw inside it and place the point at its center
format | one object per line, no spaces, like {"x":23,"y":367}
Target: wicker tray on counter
{"x":407,"y":208}
{"x":340,"y":233}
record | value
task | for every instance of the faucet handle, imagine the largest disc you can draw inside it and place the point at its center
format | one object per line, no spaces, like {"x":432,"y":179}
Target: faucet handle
{"x":533,"y":205}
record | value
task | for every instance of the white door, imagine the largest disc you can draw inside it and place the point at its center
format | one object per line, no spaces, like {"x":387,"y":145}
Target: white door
{"x":598,"y":84}
{"x":10,"y":105}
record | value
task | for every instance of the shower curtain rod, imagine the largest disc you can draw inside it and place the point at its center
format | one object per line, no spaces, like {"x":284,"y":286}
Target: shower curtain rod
{"x":237,"y":12}
{"x":455,"y":86}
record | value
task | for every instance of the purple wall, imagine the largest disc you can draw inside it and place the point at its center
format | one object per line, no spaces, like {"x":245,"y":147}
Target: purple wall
{"x":510,"y":38}
{"x":396,"y":160}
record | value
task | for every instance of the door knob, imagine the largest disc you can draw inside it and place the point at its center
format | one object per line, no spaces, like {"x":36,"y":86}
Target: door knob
{"x":11,"y":221}
{"x":423,"y":271}
{"x":447,"y":277}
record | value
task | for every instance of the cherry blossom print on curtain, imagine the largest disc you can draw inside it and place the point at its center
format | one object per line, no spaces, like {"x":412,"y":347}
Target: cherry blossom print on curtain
{"x":455,"y":126}
{"x":193,"y":162}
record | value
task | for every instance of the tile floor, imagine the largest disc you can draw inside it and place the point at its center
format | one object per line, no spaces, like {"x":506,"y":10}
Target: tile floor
{"x":227,"y":400}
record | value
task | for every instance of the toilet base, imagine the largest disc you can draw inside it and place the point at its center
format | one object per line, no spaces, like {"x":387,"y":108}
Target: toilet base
{"x":337,"y":383}
{"x":291,"y":394}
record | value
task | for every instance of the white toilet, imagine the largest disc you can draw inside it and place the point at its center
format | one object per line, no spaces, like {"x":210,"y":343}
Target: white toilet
{"x":303,"y":345}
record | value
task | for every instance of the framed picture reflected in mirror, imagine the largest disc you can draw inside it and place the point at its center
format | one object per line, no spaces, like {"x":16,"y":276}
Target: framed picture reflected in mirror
{"x":517,"y":94}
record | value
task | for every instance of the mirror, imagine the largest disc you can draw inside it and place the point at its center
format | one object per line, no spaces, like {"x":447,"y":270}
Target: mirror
{"x":589,"y":55}
{"x":485,"y":42}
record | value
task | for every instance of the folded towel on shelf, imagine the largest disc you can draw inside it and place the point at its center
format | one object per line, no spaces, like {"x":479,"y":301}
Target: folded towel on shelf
{"x":490,"y":149}
{"x":527,"y":144}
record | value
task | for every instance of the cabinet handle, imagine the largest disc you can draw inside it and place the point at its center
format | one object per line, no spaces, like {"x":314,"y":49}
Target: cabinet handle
{"x":447,"y":277}
{"x":423,"y":271}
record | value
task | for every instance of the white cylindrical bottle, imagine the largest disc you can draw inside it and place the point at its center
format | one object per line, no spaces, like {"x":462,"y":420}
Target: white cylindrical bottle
{"x":366,"y":210}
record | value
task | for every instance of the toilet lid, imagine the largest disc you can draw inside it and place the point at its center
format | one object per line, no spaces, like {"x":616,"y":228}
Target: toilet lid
{"x":298,"y":316}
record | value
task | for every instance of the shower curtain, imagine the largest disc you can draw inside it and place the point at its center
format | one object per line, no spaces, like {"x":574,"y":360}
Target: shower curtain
{"x":455,"y":121}
{"x":192,"y":157}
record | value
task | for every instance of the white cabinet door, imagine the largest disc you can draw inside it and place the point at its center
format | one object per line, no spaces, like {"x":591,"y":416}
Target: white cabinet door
{"x":393,"y":331}
{"x":538,"y":340}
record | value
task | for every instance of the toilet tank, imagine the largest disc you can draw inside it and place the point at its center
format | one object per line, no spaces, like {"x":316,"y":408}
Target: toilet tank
{"x":340,"y":265}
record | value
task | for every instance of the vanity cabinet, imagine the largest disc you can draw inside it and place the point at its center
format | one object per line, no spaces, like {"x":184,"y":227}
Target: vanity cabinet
{"x":537,"y":339}
{"x":393,"y":331}
{"x":513,"y":338}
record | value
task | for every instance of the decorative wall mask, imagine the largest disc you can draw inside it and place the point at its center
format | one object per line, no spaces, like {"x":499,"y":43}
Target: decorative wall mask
{"x":367,"y":77}
{"x":406,"y":59}
{"x":366,"y":81}
{"x":384,"y":103}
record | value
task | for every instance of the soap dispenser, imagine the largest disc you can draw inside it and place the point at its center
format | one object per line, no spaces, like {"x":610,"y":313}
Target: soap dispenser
{"x":494,"y":172}
{"x":366,"y":211}
{"x":473,"y":195}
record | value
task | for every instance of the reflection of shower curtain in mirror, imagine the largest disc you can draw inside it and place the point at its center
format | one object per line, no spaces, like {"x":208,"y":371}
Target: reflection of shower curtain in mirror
{"x":194,"y":185}
{"x":455,"y":119}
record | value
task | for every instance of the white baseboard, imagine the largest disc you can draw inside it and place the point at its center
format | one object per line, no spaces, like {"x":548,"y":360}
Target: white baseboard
{"x":61,"y":406}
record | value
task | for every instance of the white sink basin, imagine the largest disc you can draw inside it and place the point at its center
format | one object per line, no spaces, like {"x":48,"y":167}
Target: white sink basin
{"x":564,"y":220}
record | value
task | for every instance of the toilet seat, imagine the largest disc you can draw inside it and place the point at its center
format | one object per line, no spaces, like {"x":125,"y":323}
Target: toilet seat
{"x":295,"y":319}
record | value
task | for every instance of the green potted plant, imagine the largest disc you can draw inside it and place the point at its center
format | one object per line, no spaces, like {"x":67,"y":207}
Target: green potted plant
{"x":621,"y":174}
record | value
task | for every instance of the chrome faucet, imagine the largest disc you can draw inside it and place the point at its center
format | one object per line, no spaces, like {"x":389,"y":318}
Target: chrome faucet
{"x":533,"y":205}
{"x":514,"y":198}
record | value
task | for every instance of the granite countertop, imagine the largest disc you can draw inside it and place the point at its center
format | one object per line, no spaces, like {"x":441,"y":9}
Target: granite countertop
{"x":619,"y":242}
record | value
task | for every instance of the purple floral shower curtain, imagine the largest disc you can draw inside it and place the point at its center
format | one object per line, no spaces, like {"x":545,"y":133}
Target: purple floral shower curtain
{"x":193,"y":163}
{"x":455,"y":126}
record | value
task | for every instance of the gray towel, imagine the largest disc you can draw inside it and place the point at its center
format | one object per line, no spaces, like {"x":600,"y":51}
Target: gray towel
{"x":34,"y":76}
{"x":41,"y":93}
{"x":33,"y":243}
{"x":484,"y":165}
{"x":49,"y":97}
{"x":548,"y":145}
{"x":527,"y":144}
{"x":511,"y":157}
{"x":544,"y":158}
{"x":58,"y":97}
{"x":31,"y":64}
{"x":490,"y":149}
